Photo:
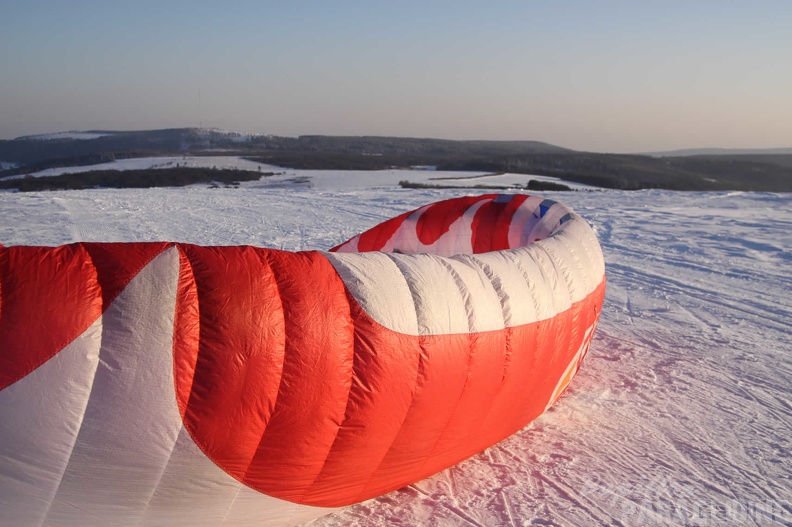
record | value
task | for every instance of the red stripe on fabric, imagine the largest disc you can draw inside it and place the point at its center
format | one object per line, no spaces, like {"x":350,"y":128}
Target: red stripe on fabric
{"x":317,"y":376}
{"x":515,"y":403}
{"x":273,"y":367}
{"x":441,"y":381}
{"x":386,"y":368}
{"x":490,"y":227}
{"x":500,"y":238}
{"x":186,"y":333}
{"x":51,"y":295}
{"x":240,"y":353}
{"x":437,"y":218}
{"x":484,"y":226}
{"x":536,"y":366}
{"x":376,"y":238}
{"x":483,"y":382}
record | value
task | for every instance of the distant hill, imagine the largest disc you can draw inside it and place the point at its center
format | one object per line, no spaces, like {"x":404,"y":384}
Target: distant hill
{"x":634,"y":172}
{"x":66,"y":146}
{"x":765,"y":170}
{"x":720,"y":152}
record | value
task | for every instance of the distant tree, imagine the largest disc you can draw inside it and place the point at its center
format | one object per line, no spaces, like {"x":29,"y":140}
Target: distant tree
{"x":535,"y":184}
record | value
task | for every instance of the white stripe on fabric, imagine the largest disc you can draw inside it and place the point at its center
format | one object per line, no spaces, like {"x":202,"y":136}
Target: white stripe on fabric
{"x":439,"y":304}
{"x":551,"y":274}
{"x":482,"y":302}
{"x":130,"y":424}
{"x":378,"y":281}
{"x":40,"y":416}
{"x":249,"y":504}
{"x":194,"y":492}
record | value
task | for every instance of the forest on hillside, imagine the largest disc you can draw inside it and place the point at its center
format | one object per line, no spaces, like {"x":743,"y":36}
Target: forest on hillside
{"x":743,"y":171}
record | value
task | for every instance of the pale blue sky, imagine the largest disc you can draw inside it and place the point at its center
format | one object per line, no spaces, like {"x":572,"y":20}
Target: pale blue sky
{"x":605,"y":76}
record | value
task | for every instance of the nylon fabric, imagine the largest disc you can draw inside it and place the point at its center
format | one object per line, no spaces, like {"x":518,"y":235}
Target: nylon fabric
{"x":34,"y":452}
{"x":49,"y":297}
{"x":122,"y":449}
{"x":172,"y":384}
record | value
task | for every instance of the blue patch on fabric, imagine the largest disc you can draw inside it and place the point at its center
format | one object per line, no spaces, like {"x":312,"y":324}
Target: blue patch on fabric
{"x":545,"y":206}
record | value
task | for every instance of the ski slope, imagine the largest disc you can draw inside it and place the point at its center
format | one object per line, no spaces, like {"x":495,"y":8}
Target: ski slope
{"x":682,"y":411}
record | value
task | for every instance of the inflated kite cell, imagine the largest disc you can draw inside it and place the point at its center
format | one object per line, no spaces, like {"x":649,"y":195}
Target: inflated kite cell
{"x":173,"y":384}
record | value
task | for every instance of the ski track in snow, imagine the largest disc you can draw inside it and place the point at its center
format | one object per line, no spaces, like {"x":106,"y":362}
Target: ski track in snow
{"x":682,"y":411}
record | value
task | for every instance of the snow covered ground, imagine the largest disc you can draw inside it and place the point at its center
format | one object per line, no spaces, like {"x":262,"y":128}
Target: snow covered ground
{"x":80,"y":136}
{"x":334,"y":179}
{"x":142,"y":163}
{"x":682,"y":411}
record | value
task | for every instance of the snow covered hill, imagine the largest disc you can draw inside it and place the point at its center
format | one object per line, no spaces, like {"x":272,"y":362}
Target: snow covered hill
{"x":682,"y":411}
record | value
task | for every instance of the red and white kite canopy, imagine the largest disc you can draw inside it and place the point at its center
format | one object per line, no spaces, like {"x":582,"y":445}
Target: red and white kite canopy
{"x":173,"y":384}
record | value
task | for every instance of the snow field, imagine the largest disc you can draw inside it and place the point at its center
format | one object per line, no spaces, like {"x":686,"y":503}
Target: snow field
{"x":681,"y":412}
{"x":80,"y":136}
{"x":328,"y":179}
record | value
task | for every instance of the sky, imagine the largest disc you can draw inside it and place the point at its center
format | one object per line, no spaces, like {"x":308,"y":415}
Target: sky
{"x":601,"y":76}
